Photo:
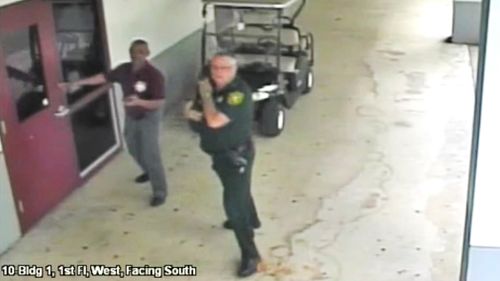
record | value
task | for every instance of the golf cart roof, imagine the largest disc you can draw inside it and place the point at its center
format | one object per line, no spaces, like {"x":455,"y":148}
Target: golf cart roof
{"x":276,"y":4}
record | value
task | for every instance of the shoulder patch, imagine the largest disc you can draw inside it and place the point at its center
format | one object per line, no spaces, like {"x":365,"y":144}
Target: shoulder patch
{"x":235,"y":98}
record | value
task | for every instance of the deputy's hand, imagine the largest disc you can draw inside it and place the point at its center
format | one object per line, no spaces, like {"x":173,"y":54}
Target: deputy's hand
{"x":190,"y":113}
{"x":187,"y":108}
{"x":205,"y":88}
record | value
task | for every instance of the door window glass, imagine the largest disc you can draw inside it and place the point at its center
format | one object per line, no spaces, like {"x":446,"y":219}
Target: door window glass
{"x":24,"y":70}
{"x":78,"y":35}
{"x":79,"y":42}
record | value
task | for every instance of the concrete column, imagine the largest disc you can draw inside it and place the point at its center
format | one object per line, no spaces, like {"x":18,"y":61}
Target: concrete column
{"x":466,"y":21}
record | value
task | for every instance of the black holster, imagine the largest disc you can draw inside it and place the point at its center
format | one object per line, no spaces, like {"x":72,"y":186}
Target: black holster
{"x":237,"y":154}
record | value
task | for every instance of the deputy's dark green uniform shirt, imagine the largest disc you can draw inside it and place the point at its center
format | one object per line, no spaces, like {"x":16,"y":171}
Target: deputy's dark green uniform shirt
{"x":235,"y":101}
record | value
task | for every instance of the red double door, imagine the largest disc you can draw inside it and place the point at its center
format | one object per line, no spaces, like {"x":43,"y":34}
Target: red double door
{"x":37,"y":141}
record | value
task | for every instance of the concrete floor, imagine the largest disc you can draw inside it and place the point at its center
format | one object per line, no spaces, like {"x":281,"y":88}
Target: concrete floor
{"x":368,"y":180}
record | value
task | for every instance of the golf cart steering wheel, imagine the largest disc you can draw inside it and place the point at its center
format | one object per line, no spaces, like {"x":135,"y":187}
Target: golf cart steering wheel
{"x":268,"y":44}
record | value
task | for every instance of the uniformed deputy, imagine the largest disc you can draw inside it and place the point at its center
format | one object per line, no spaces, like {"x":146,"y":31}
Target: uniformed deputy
{"x":223,"y":116}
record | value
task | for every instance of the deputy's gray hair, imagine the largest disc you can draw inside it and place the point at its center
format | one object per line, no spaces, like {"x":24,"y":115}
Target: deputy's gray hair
{"x":232,"y":60}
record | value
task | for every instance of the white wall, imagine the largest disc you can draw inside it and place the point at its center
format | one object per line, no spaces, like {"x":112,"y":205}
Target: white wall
{"x":7,"y":2}
{"x":161,"y":22}
{"x":484,"y":245}
{"x":9,"y":225}
{"x":485,"y":229}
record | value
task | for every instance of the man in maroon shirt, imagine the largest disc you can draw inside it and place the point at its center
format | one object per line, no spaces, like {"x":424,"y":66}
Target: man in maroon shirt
{"x":143,"y":91}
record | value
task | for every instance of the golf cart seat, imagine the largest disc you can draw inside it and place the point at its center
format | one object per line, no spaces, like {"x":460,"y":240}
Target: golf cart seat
{"x":260,"y":70}
{"x":257,"y":39}
{"x":287,"y":64}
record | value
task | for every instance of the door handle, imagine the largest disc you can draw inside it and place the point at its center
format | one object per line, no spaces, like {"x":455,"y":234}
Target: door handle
{"x":61,"y":111}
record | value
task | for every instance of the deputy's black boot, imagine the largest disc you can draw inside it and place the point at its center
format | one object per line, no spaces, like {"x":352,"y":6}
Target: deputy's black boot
{"x":248,"y":266}
{"x":250,"y":257}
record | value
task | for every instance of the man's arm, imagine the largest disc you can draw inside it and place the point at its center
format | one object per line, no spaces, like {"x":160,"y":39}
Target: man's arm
{"x":92,"y":80}
{"x":97,"y":79}
{"x":146,"y":104}
{"x":214,"y":118}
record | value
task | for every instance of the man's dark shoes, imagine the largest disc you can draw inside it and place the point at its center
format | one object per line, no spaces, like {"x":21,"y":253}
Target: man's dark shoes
{"x":142,"y":178}
{"x":248,"y":266}
{"x":227,"y":225}
{"x":157,"y":201}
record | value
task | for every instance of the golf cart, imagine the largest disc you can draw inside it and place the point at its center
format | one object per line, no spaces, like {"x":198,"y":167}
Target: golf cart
{"x":274,"y":57}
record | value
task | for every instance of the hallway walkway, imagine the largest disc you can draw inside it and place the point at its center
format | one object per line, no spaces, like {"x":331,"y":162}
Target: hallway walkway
{"x":367,"y":182}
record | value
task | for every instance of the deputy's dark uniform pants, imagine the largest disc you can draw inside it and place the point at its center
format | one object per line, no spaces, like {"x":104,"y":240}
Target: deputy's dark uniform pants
{"x":238,"y":201}
{"x":142,"y":138}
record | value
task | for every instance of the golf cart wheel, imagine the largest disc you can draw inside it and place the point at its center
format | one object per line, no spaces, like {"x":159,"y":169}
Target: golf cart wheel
{"x":272,"y":119}
{"x":309,"y":81}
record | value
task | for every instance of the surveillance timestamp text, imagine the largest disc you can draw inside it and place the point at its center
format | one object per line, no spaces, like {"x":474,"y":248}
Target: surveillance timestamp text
{"x":96,"y":270}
